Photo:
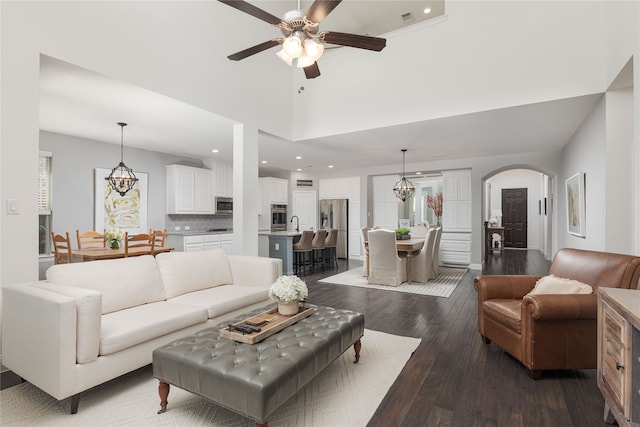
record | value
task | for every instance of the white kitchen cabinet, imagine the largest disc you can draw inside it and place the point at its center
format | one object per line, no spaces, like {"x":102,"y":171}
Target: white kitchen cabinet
{"x":456,"y":206}
{"x":305,"y":207}
{"x":274,"y":191}
{"x":189,"y":190}
{"x":385,"y":203}
{"x":224,"y":180}
{"x":455,"y":248}
{"x":200,"y":242}
{"x":340,"y":188}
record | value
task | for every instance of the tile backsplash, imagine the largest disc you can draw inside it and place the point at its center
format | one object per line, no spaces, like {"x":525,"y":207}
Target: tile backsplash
{"x":198,"y":222}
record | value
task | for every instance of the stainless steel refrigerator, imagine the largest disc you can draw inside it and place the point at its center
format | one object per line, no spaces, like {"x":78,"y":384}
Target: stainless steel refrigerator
{"x":334,"y":213}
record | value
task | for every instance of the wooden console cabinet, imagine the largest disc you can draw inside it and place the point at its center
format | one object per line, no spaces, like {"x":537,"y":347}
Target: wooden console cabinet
{"x":619,"y":354}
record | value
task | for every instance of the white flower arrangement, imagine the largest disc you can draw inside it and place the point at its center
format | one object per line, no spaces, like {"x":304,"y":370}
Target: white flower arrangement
{"x":113,"y":234}
{"x":288,"y":289}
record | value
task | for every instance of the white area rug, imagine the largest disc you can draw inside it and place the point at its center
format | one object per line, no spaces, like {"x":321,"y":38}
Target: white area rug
{"x":441,"y":286}
{"x":344,"y":394}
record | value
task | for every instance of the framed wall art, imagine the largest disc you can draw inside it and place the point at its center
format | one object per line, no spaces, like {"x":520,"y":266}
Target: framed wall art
{"x":576,"y":208}
{"x":128,"y":212}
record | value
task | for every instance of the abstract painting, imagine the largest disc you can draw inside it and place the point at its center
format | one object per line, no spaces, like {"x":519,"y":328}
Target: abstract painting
{"x":576,"y":210}
{"x":128,"y":212}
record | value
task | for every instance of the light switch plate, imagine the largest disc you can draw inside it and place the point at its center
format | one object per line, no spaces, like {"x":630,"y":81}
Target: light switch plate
{"x":176,"y":228}
{"x":13,"y":207}
{"x":277,"y":246}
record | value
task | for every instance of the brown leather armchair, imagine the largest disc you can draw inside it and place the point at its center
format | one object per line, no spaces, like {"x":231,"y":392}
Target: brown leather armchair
{"x":546,"y":332}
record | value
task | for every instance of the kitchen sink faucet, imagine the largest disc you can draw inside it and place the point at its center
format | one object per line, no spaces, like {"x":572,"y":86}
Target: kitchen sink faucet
{"x":297,"y":222}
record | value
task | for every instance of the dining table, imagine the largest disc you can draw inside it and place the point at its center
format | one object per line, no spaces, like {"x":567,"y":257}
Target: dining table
{"x":96,"y":254}
{"x":406,"y":246}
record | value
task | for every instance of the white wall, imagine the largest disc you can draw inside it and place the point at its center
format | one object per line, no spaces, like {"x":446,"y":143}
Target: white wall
{"x":521,"y":178}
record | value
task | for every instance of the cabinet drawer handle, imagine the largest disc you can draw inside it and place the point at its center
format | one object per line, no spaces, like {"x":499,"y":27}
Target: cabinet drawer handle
{"x":619,"y":366}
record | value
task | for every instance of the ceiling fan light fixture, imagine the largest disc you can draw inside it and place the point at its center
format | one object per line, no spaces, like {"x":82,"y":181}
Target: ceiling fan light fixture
{"x":292,"y":46}
{"x":305,"y":60}
{"x":286,"y":58}
{"x":313,"y":49}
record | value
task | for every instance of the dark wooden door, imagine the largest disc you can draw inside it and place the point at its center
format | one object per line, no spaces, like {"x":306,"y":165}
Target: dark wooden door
{"x":514,"y":217}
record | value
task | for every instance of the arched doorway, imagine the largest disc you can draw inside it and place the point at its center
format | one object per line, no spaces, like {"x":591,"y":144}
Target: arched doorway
{"x":520,"y":199}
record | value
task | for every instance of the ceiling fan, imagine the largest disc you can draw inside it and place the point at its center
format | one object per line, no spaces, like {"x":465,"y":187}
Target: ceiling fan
{"x":302,"y":42}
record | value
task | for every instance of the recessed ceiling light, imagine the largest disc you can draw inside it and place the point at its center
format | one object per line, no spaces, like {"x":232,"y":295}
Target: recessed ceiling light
{"x":418,"y":173}
{"x":298,"y":169}
{"x":263,"y":162}
{"x":427,"y":11}
{"x":298,"y":157}
{"x":330,"y":166}
{"x":215,"y":150}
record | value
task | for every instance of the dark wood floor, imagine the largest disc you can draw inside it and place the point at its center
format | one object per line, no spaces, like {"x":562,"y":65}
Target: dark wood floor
{"x":453,"y":379}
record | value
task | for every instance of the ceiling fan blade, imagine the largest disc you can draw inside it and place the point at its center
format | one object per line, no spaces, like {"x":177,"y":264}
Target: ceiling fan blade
{"x":252,"y":10}
{"x":254,"y":49}
{"x":312,"y":71}
{"x":319,"y":9}
{"x":354,"y":40}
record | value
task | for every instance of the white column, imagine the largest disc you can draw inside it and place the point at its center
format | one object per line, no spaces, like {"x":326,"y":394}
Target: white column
{"x":245,"y":190}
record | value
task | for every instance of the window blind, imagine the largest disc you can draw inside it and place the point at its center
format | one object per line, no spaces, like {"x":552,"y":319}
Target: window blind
{"x":44,"y":183}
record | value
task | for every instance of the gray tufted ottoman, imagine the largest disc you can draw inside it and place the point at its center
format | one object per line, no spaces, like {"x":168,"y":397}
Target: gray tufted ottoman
{"x":256,"y":379}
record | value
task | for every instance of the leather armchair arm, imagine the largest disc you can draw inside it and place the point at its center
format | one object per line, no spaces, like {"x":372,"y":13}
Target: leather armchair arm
{"x":504,"y":287}
{"x":561,"y":307}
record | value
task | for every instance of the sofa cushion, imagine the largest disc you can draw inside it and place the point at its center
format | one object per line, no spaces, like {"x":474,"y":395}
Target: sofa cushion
{"x":123,"y":283}
{"x":184,"y":272}
{"x":507,"y":312}
{"x":224,"y":299}
{"x":126,"y":328}
{"x":556,"y":285}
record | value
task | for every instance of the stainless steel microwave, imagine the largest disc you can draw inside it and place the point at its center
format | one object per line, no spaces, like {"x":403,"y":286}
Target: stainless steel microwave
{"x":224,"y":205}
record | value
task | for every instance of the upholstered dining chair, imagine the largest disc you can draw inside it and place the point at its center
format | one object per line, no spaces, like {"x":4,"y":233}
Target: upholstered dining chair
{"x":435,"y":259}
{"x":331,"y":247}
{"x":385,"y":266}
{"x":63,"y":254}
{"x":422,"y":263}
{"x":139,"y":241}
{"x":364,"y":237}
{"x":301,"y":249}
{"x":90,"y":239}
{"x":418,"y":231}
{"x":160,"y":237}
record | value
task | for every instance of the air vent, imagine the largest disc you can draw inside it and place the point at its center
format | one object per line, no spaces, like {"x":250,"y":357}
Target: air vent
{"x":407,"y":16}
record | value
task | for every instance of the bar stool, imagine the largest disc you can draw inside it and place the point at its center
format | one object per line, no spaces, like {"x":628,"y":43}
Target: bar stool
{"x":331,"y":246}
{"x":300,"y":250}
{"x":318,"y":245}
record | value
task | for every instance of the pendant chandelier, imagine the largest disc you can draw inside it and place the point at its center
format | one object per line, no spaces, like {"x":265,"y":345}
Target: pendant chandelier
{"x":122,"y":179}
{"x":404,"y":188}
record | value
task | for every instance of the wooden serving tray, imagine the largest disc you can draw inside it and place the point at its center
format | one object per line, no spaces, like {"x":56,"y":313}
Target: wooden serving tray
{"x":275,"y":322}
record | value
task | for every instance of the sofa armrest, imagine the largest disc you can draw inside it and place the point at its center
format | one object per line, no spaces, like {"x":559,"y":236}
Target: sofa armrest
{"x":39,"y":337}
{"x":88,"y":319}
{"x":503,"y":286}
{"x":561,"y":307}
{"x":254,"y":271}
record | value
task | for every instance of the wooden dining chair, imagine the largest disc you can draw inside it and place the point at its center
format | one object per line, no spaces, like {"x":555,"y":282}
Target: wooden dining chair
{"x":139,"y":241}
{"x":90,"y":239}
{"x":160,"y":237}
{"x":63,"y":254}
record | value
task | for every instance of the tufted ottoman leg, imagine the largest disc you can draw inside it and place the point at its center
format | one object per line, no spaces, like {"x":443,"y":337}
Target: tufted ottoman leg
{"x":357,"y":346}
{"x":163,"y":391}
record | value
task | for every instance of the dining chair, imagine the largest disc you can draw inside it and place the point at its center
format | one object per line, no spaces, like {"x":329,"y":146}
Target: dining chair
{"x":63,"y":254}
{"x":90,"y":239}
{"x":418,"y":231}
{"x":301,"y":249}
{"x":141,"y":240}
{"x":435,"y":263}
{"x":318,"y":245}
{"x":385,"y":266}
{"x":422,"y":263}
{"x":363,"y":236}
{"x":331,"y":247}
{"x":160,"y":237}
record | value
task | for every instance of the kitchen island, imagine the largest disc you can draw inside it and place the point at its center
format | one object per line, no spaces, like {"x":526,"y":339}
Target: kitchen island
{"x":281,"y":247}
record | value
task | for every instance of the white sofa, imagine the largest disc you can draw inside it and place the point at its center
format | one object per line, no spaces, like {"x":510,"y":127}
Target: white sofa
{"x":94,"y":321}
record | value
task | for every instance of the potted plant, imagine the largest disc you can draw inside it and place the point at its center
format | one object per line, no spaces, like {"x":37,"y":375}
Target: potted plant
{"x":113,"y":237}
{"x":402,"y":233}
{"x":288,"y":291}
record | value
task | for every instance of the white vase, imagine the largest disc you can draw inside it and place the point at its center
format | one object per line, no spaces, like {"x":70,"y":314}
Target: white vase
{"x":288,"y":308}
